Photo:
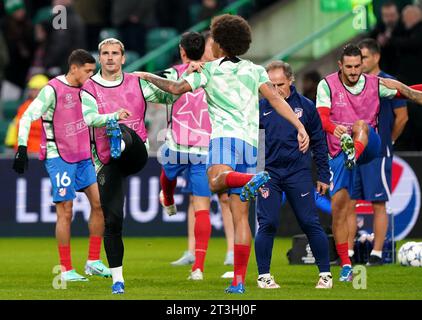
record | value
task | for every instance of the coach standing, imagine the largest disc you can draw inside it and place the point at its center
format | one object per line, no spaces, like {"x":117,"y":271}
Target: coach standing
{"x":291,"y":172}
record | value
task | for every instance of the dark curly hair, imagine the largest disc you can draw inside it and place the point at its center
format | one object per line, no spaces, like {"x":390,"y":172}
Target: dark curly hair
{"x":232,"y":33}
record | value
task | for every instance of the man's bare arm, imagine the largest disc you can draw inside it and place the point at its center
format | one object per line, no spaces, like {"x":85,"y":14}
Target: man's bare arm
{"x":399,"y":122}
{"x":174,"y":87}
{"x":405,"y":91}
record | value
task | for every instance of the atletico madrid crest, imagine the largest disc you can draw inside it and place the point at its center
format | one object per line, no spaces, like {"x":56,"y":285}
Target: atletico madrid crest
{"x":265,"y":192}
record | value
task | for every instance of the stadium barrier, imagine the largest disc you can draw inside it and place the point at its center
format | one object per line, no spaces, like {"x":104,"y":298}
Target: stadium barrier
{"x":26,"y":207}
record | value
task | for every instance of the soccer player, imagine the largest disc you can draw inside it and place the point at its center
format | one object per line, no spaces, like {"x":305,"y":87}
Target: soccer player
{"x":232,"y":87}
{"x":291,"y":172}
{"x":348,"y":104}
{"x":373,"y":180}
{"x":186,"y":148}
{"x":193,"y":47}
{"x":65,"y":150}
{"x":118,"y":150}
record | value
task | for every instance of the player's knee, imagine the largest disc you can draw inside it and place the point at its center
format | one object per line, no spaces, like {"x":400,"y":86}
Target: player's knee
{"x":65,"y":211}
{"x":113,"y":224}
{"x":359,"y":126}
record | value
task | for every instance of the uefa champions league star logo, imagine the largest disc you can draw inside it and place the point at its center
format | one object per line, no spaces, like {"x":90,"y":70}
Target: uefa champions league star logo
{"x":190,"y":96}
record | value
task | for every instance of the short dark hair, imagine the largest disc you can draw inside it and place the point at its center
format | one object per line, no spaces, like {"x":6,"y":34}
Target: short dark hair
{"x":370,"y":44}
{"x":232,"y":33}
{"x":350,"y":50}
{"x":194,"y":45}
{"x":80,"y":57}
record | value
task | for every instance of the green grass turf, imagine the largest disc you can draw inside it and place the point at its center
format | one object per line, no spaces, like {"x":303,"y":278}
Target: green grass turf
{"x":27,"y":264}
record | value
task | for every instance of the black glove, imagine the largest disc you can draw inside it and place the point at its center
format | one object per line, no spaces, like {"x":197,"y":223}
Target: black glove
{"x":21,"y":160}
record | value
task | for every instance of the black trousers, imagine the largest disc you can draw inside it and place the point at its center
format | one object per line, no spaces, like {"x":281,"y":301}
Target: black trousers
{"x":111,"y":182}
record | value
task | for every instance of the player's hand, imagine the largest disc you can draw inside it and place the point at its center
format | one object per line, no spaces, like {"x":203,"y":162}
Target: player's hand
{"x":391,"y":83}
{"x":20,"y":164}
{"x":321,"y":187}
{"x":123,"y":114}
{"x":195,"y":67}
{"x":303,"y":139}
{"x":339,"y":130}
{"x":141,"y":74}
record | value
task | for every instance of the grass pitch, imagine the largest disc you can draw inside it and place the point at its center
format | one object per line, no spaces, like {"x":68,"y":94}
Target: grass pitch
{"x":27,"y":273}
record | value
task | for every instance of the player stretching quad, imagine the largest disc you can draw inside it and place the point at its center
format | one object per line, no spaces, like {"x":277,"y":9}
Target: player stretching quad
{"x":119,"y":149}
{"x":66,"y":151}
{"x":348,"y":104}
{"x":232,"y":87}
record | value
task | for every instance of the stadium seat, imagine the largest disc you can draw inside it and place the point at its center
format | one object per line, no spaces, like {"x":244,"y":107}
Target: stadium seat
{"x":43,"y":14}
{"x":131,"y":56}
{"x":194,"y":10}
{"x":158,"y":36}
{"x":4,"y":124}
{"x":155,"y":38}
{"x":10,"y":108}
{"x":108,"y":33}
{"x":94,"y":53}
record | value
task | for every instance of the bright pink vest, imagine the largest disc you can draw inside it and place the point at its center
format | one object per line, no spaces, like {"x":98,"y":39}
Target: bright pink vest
{"x":71,"y":134}
{"x":347,"y":108}
{"x":190,"y":121}
{"x":127,"y":95}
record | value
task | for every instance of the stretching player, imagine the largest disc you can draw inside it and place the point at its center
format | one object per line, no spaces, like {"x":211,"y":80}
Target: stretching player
{"x":103,"y":97}
{"x":348,"y":104}
{"x":232,"y":86}
{"x":373,"y":180}
{"x":291,"y":172}
{"x":190,"y":50}
{"x":65,"y":149}
{"x":186,"y":148}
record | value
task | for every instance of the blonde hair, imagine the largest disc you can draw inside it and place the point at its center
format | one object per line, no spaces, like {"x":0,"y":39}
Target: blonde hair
{"x":111,"y":41}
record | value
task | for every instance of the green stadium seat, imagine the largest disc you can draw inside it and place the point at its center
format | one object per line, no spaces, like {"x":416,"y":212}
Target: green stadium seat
{"x":109,"y":33}
{"x":155,"y":38}
{"x":10,"y":108}
{"x":194,"y":10}
{"x":158,"y":36}
{"x":4,"y":124}
{"x":131,"y":56}
{"x":43,"y":14}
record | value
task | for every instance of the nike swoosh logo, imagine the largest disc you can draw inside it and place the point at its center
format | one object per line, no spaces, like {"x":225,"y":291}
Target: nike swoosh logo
{"x":267,"y":113}
{"x":304,"y":195}
{"x":378,"y":194}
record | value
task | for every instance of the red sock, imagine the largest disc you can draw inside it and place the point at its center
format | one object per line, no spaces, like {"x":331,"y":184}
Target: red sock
{"x":342,"y":250}
{"x":202,"y":236}
{"x":65,"y":259}
{"x":359,"y":148}
{"x":236,"y":179}
{"x":241,"y":258}
{"x":168,"y":187}
{"x":94,"y":248}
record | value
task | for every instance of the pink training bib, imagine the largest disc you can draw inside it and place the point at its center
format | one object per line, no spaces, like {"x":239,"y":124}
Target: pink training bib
{"x":71,"y":134}
{"x":347,"y":108}
{"x":127,"y":95}
{"x":190,"y":121}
